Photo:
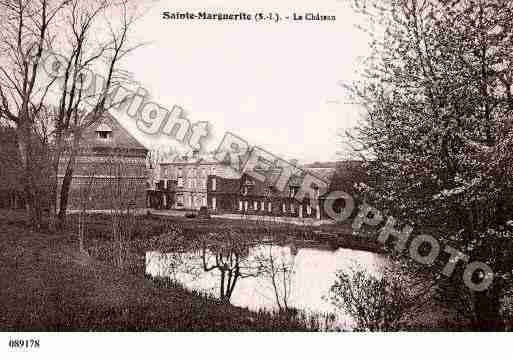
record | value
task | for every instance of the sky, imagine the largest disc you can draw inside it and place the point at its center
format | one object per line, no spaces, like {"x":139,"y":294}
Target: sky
{"x":275,"y":85}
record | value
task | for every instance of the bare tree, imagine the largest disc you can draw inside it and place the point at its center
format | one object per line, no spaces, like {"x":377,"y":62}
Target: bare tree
{"x":85,"y":95}
{"x":122,"y":193}
{"x":111,"y":182}
{"x":25,"y":29}
{"x":48,"y":47}
{"x":85,"y":192}
{"x":278,"y":266}
{"x":227,"y":252}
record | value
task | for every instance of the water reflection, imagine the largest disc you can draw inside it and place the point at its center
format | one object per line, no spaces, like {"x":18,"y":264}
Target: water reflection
{"x":314,"y":271}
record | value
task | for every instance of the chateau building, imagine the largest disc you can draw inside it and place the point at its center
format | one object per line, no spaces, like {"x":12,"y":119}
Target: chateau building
{"x":181,"y":183}
{"x":190,"y":182}
{"x":245,"y":195}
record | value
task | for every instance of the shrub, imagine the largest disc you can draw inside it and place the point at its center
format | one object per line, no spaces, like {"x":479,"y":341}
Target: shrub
{"x":376,"y":304}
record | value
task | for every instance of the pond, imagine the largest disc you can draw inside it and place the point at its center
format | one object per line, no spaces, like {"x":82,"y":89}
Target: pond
{"x":306,"y":286}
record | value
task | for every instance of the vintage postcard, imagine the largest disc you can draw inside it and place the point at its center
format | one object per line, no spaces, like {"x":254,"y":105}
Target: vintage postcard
{"x":254,"y":166}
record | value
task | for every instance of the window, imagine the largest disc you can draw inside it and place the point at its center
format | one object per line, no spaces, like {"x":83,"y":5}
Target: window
{"x":269,"y":207}
{"x":316,"y":194}
{"x":180,"y":182}
{"x":255,"y":205}
{"x":240,"y":205}
{"x":284,"y":209}
{"x":245,"y":191}
{"x":104,"y":132}
{"x":103,"y":135}
{"x":179,"y":200}
{"x":213,"y":184}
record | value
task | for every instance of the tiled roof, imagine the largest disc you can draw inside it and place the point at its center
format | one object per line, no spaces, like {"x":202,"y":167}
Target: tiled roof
{"x":121,"y":138}
{"x":229,"y":185}
{"x":325,"y":173}
{"x":259,"y":188}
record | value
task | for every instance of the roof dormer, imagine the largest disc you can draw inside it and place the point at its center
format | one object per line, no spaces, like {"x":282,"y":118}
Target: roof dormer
{"x":104,"y":132}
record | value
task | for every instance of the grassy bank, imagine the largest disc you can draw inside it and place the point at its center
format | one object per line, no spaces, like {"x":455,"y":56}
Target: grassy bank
{"x":48,"y":284}
{"x":147,"y":227}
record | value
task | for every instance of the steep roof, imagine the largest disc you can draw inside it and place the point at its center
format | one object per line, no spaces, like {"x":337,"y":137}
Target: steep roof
{"x":121,"y":138}
{"x":258,"y":188}
{"x":324,"y":173}
{"x":229,"y":185}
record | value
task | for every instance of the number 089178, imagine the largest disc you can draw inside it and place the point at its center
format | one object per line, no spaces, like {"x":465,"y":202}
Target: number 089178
{"x":24,"y":343}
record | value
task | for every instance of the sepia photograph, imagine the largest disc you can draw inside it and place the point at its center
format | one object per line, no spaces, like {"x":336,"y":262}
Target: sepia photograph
{"x":340,"y":167}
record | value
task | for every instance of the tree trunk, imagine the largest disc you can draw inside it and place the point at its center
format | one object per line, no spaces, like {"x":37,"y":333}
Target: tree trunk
{"x":34,"y":210}
{"x":55,"y":218}
{"x":68,"y":178}
{"x":64,"y":196}
{"x":221,"y":287}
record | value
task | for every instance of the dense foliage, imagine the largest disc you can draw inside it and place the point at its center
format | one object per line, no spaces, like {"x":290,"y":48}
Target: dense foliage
{"x":437,"y":134}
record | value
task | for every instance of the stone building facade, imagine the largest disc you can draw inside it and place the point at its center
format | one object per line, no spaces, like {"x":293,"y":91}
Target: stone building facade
{"x":110,"y":169}
{"x":181,"y":183}
{"x":189,"y":182}
{"x":245,"y":195}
